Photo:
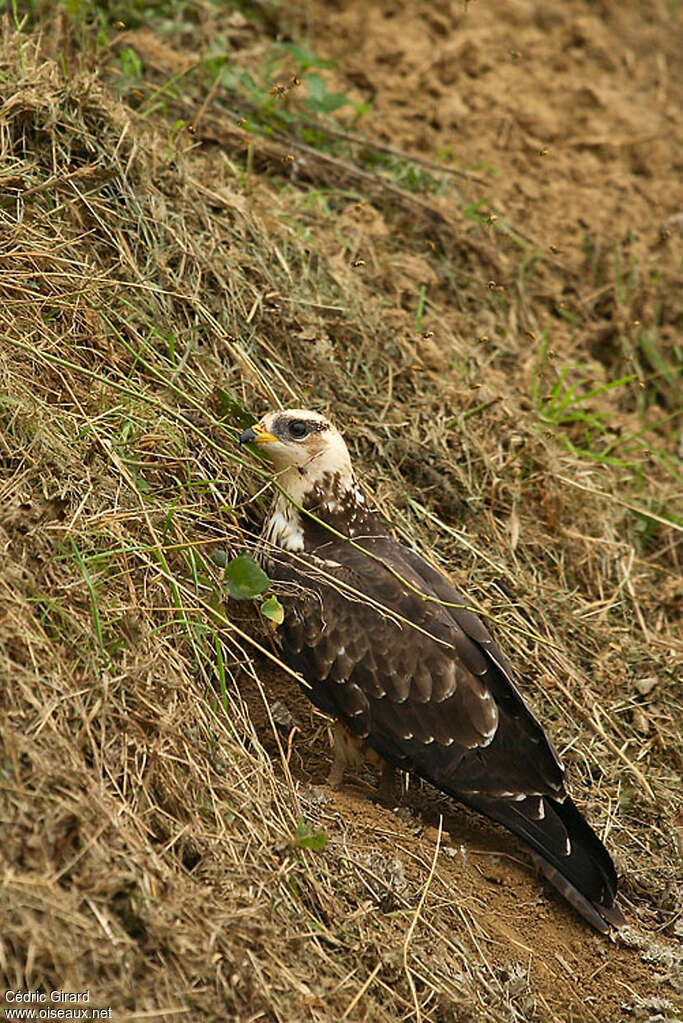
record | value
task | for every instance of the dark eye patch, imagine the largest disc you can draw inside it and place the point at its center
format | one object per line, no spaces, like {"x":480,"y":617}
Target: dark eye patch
{"x":286,"y":427}
{"x":298,"y":429}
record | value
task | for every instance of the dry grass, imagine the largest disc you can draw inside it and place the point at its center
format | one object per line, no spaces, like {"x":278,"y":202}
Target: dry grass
{"x":153,"y":850}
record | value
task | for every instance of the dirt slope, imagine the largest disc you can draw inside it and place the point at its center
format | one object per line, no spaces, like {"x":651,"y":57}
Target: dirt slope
{"x":185,"y":239}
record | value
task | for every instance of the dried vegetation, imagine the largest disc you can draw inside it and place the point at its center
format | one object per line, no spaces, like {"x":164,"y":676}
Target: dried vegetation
{"x":162,"y":844}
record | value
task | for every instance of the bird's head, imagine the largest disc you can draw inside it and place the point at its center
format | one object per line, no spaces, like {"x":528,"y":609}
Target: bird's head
{"x":302,"y":445}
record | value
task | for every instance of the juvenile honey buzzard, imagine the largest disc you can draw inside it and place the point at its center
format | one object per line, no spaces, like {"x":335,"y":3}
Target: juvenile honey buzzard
{"x":390,"y":650}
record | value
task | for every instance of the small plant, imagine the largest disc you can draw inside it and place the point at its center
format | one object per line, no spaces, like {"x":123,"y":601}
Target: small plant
{"x":308,"y":837}
{"x":231,"y":409}
{"x":320,"y":100}
{"x":472,"y":212}
{"x":278,"y":101}
{"x":246,"y":580}
{"x":131,"y":66}
{"x":566,"y":405}
{"x":401,"y":171}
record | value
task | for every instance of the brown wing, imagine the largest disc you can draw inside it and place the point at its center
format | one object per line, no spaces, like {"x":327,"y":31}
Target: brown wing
{"x":427,"y":688}
{"x":424,"y":684}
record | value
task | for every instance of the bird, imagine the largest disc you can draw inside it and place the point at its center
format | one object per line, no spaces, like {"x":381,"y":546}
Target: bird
{"x":389,"y":648}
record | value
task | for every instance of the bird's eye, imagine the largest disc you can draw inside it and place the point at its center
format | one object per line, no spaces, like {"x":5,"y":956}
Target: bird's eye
{"x":298,"y":429}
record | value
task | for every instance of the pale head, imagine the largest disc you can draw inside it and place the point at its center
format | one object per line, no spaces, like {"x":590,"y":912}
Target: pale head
{"x":303,"y":447}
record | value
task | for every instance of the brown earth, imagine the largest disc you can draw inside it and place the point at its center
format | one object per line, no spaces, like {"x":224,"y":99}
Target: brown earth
{"x":596,"y":85}
{"x":571,"y":113}
{"x":151,"y":804}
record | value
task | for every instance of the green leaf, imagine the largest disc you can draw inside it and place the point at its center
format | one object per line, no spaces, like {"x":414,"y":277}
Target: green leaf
{"x":320,"y":100}
{"x":651,"y":351}
{"x":219,"y":557}
{"x":316,"y":87}
{"x":176,"y":129}
{"x":131,"y":65}
{"x":604,"y":388}
{"x":238,"y":80}
{"x":308,"y":837}
{"x":245,"y":578}
{"x":231,"y":409}
{"x":330,"y":102}
{"x":472,"y":211}
{"x":305,"y":57}
{"x":272,"y":608}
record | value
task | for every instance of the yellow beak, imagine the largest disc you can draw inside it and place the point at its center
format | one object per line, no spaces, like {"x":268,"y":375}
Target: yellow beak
{"x":257,"y":434}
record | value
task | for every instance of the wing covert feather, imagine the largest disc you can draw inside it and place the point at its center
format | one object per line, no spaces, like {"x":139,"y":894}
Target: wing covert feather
{"x":439,"y":693}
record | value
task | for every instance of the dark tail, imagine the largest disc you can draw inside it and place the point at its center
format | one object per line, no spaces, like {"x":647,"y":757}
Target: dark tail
{"x":565,"y":849}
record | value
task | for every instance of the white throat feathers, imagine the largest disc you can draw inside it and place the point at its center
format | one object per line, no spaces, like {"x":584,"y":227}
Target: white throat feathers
{"x":333,"y":498}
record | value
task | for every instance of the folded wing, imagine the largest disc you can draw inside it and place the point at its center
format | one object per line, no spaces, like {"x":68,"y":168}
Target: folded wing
{"x":389,"y":646}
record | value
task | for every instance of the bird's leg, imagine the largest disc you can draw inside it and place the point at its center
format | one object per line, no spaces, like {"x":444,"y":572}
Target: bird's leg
{"x":347,"y":754}
{"x":336,"y":775}
{"x":388,"y":783}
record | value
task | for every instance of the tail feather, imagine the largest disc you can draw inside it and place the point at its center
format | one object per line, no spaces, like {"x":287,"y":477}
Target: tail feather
{"x":567,"y":852}
{"x":600,"y":916}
